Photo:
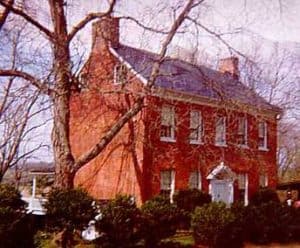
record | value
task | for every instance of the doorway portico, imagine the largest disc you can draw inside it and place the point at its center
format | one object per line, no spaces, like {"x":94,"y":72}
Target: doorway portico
{"x":221,"y":180}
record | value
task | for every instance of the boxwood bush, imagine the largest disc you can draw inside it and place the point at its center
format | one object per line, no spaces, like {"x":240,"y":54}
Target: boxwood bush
{"x":160,"y":220}
{"x":187,"y":200}
{"x":14,"y":230}
{"x":119,"y":225}
{"x":264,"y":195}
{"x":215,"y":225}
{"x":268,"y":222}
{"x":68,"y":210}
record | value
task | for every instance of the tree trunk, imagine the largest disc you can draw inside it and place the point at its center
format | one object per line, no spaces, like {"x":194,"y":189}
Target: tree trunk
{"x":63,"y":158}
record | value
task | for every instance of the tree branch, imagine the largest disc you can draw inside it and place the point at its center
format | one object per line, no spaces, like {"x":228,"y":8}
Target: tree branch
{"x":89,"y":18}
{"x":105,"y":140}
{"x":35,"y":82}
{"x":28,"y":18}
{"x":5,"y":13}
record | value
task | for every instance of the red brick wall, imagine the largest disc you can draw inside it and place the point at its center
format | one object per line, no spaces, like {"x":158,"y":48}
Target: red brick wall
{"x":184,"y":157}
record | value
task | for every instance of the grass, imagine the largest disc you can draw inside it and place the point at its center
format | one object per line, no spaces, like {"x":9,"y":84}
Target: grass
{"x":183,"y":238}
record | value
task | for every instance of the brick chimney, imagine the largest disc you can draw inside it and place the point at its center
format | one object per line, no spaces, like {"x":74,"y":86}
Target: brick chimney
{"x":105,"y":32}
{"x":230,"y":66}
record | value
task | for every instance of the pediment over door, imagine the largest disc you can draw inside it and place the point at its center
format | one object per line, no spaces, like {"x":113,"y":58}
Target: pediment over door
{"x":221,"y":172}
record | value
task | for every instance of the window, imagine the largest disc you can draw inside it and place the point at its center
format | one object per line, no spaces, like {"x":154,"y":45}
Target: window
{"x":262,"y":135}
{"x":196,"y":127}
{"x":243,"y":187}
{"x":195,"y":180}
{"x":167,"y":129}
{"x":120,"y":74}
{"x":263,"y":180}
{"x":167,"y":183}
{"x":242,"y":131}
{"x":221,"y":131}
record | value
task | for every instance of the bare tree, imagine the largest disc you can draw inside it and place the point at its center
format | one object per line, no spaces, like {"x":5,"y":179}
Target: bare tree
{"x":59,"y":83}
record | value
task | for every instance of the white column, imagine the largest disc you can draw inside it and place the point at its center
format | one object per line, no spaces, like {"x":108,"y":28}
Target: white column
{"x":33,"y":186}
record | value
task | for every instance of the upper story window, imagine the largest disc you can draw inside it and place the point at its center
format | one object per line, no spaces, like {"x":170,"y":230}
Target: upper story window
{"x":242,"y":131}
{"x":120,"y":74}
{"x":196,"y":127}
{"x":220,"y":138}
{"x":195,"y":180}
{"x":262,"y":136}
{"x":167,"y":128}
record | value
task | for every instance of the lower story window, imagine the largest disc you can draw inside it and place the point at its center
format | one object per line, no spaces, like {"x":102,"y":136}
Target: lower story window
{"x":243,"y":187}
{"x":195,"y":180}
{"x":167,"y":183}
{"x":263,"y":180}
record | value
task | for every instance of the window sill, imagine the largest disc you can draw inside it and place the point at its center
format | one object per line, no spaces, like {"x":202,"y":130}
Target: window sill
{"x":196,"y":142}
{"x":221,"y":144}
{"x":264,"y":149}
{"x":167,"y":139}
{"x":243,"y":146}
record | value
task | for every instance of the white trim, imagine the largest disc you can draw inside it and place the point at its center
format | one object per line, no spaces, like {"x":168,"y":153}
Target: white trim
{"x":231,"y":196}
{"x":172,"y":191}
{"x":129,"y":66}
{"x":243,"y":146}
{"x":218,"y":169}
{"x":168,"y":139}
{"x":263,"y":149}
{"x":246,"y":199}
{"x":33,"y":187}
{"x":196,"y":142}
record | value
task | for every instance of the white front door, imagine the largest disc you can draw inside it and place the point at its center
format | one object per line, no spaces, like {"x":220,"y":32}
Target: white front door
{"x":222,"y":190}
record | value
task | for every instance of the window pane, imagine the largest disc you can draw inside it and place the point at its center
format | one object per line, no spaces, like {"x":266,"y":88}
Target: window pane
{"x":241,"y":181}
{"x":120,"y":74}
{"x":194,"y":122}
{"x":195,"y":125}
{"x":220,"y":130}
{"x":261,"y":129}
{"x":194,"y":180}
{"x":167,"y":116}
{"x":167,"y":122}
{"x":263,"y":180}
{"x":242,"y":126}
{"x":165,"y":180}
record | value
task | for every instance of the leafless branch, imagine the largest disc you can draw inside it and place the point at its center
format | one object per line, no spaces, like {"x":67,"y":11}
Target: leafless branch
{"x":90,"y":17}
{"x":37,"y":83}
{"x":28,"y":18}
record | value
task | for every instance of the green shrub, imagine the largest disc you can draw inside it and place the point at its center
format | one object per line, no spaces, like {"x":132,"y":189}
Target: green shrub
{"x":119,"y":223}
{"x":160,"y":220}
{"x":12,"y":217}
{"x":264,"y":195}
{"x":268,"y":222}
{"x":68,"y":210}
{"x":187,"y":200}
{"x":215,"y":225}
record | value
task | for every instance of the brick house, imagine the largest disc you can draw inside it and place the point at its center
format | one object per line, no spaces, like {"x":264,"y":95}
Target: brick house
{"x":199,"y":128}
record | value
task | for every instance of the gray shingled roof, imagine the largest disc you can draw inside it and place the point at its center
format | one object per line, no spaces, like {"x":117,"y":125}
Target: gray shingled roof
{"x":185,"y":77}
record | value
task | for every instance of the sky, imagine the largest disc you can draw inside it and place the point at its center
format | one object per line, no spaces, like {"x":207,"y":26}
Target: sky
{"x":274,"y":20}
